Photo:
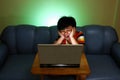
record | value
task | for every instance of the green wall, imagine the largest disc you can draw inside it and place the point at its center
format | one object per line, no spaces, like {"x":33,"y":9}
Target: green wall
{"x":47,"y":12}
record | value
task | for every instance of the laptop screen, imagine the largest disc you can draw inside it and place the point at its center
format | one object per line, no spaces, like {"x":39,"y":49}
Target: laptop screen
{"x":52,"y":55}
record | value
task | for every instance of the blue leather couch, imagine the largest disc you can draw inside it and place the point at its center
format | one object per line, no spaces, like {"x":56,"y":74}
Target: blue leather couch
{"x":19,"y":45}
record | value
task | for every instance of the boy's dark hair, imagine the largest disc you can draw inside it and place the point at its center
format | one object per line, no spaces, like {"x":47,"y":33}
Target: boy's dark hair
{"x":64,"y":22}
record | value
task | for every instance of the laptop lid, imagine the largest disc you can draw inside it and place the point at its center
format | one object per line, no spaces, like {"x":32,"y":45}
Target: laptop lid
{"x":59,"y":55}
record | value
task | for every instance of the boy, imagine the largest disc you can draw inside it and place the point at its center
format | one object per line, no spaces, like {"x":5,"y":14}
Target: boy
{"x":67,"y":31}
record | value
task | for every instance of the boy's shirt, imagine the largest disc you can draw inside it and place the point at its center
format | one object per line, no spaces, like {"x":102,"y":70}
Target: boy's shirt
{"x":79,"y":37}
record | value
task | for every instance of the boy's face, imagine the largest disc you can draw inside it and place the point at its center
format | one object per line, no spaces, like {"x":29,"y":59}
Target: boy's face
{"x":66,"y":32}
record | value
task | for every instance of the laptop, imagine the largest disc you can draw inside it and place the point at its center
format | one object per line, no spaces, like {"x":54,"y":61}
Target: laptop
{"x":52,"y":55}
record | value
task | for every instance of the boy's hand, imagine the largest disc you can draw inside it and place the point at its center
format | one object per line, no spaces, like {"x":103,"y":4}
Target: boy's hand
{"x":61,"y":35}
{"x":72,"y":33}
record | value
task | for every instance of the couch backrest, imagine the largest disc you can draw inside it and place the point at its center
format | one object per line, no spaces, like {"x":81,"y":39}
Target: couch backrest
{"x":99,"y":39}
{"x":23,"y":39}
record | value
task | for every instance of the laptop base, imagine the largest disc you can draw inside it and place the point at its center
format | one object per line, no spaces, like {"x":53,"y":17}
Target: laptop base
{"x":59,"y":65}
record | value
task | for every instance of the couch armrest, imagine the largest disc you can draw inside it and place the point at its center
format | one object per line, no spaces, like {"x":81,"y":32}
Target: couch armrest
{"x":3,"y":53}
{"x":116,"y":53}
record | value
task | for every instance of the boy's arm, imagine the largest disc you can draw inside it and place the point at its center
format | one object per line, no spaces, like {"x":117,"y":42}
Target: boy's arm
{"x":59,"y":41}
{"x":78,"y":39}
{"x":73,"y":41}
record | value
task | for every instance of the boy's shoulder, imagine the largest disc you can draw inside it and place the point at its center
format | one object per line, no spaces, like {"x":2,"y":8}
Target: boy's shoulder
{"x":79,"y":37}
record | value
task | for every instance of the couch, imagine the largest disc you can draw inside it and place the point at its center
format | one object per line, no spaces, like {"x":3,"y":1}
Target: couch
{"x":19,"y":45}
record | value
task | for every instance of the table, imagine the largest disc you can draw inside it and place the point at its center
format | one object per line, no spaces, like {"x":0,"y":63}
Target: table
{"x":81,"y":73}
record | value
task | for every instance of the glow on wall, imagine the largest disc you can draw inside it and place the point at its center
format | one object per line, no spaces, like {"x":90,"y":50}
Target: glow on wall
{"x":47,"y":12}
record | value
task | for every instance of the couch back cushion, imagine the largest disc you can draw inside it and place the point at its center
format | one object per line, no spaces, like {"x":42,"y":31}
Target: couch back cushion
{"x":8,"y":37}
{"x":53,"y":33}
{"x":23,"y":39}
{"x":99,"y":39}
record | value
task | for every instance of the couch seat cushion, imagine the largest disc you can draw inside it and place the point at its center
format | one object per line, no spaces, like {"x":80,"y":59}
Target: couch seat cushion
{"x":18,"y":67}
{"x":103,"y":67}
